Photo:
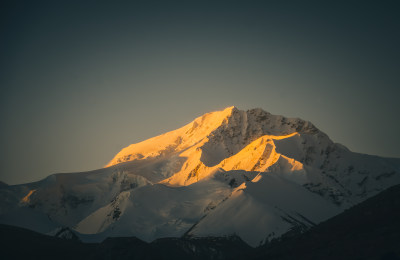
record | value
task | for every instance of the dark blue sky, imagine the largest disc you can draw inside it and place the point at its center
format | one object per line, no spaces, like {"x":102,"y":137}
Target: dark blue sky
{"x":80,"y":81}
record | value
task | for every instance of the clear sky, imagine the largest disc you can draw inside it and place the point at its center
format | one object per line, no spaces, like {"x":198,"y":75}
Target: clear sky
{"x":79,"y":81}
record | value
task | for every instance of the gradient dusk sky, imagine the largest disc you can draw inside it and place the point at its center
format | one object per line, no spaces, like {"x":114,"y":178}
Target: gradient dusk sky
{"x":80,"y":80}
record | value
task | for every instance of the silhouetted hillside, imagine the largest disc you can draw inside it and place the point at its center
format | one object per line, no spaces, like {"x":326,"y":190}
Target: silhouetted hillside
{"x":370,"y":230}
{"x":20,"y":243}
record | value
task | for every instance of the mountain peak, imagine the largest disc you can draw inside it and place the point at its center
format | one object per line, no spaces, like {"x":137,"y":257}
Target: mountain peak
{"x":176,"y":140}
{"x":231,"y":108}
{"x":217,"y":134}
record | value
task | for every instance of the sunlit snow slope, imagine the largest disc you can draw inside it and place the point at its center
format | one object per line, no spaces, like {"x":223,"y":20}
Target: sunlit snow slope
{"x":246,"y":172}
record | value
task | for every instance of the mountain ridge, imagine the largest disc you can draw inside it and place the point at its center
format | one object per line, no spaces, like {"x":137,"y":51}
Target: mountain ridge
{"x":241,"y":164}
{"x":210,"y":121}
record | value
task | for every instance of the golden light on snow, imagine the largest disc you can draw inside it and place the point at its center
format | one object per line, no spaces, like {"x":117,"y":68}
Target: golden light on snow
{"x":258,"y":156}
{"x":177,"y":140}
{"x":196,"y":157}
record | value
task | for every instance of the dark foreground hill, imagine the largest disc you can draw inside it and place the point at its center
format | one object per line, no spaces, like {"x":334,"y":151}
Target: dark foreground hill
{"x":20,"y":243}
{"x":370,"y":230}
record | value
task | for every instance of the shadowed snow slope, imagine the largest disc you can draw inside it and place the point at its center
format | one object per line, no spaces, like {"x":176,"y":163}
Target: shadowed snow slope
{"x":246,"y":172}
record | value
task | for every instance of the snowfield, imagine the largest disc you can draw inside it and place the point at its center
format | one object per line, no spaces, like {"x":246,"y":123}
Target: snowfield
{"x":248,"y":173}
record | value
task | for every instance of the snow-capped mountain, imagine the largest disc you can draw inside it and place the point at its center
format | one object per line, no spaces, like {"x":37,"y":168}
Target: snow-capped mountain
{"x":248,"y":173}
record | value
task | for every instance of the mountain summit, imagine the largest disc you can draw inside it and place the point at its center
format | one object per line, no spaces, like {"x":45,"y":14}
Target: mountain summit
{"x":248,"y":173}
{"x":236,"y":128}
{"x":211,"y":141}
